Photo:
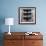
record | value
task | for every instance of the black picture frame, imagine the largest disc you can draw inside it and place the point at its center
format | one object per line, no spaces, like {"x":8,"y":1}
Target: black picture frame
{"x":27,"y":15}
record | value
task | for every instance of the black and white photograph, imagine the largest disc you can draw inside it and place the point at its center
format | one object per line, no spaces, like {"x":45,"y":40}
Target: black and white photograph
{"x":27,"y":15}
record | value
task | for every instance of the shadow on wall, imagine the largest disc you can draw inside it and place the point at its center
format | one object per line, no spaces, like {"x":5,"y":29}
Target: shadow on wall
{"x":2,"y":21}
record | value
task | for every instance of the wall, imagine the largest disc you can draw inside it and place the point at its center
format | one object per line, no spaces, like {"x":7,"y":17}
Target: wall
{"x":9,"y":8}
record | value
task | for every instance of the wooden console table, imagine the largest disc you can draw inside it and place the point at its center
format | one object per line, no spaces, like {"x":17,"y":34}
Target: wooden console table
{"x":20,"y":39}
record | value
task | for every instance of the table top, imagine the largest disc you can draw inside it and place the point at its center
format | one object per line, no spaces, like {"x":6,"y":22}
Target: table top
{"x":22,"y":35}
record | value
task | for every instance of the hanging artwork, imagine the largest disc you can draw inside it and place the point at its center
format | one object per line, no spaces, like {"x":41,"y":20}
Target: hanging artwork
{"x":27,"y":15}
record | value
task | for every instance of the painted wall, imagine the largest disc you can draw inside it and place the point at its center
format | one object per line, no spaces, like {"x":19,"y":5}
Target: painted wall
{"x":9,"y":8}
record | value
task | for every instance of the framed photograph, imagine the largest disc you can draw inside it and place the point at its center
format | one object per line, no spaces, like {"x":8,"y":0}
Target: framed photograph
{"x":27,"y":15}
